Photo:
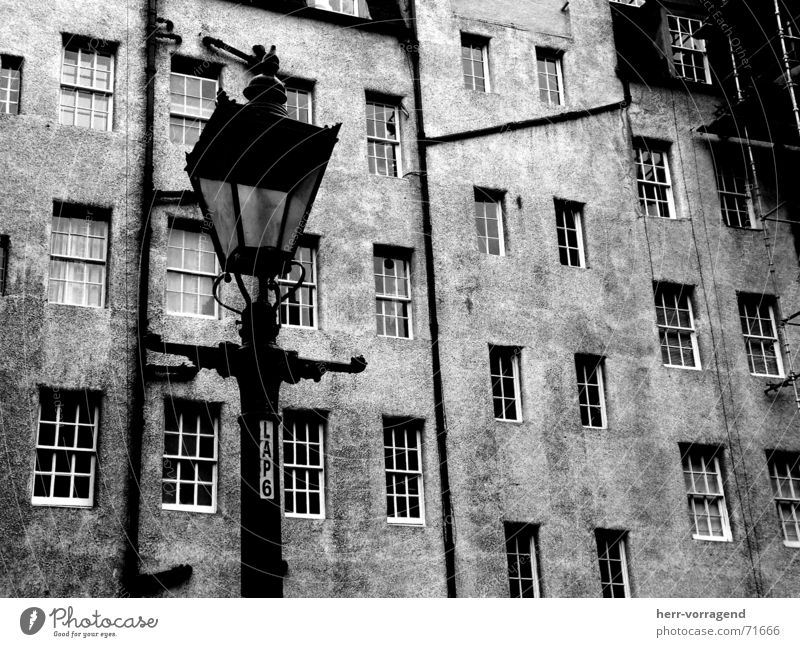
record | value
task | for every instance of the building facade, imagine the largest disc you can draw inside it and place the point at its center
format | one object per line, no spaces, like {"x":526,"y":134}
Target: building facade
{"x":561,"y":234}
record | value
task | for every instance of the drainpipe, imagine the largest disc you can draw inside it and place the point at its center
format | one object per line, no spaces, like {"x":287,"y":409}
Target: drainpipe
{"x":131,"y":563}
{"x":438,"y":389}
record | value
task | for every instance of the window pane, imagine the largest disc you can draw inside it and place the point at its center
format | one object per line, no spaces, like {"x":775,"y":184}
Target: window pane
{"x":303,"y":434}
{"x":503,"y":362}
{"x":706,"y":498}
{"x":67,"y":420}
{"x":382,"y":139}
{"x":521,"y":557}
{"x":403,"y":471}
{"x":191,"y":270}
{"x":189,"y":482}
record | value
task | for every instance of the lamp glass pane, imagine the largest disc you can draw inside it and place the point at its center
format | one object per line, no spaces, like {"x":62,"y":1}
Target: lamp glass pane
{"x":298,"y":204}
{"x":219,"y":199}
{"x":262,"y":213}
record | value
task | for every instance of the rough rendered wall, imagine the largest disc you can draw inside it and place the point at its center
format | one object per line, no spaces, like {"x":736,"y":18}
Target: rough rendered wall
{"x":546,"y":470}
{"x":353,"y":551}
{"x":549,"y":470}
{"x":52,"y":550}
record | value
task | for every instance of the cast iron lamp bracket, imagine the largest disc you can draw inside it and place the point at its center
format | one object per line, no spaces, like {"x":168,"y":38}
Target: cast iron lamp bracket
{"x":227,"y":358}
{"x":272,"y":286}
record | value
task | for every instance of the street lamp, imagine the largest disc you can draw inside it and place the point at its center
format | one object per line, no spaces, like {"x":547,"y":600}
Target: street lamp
{"x":256,"y":174}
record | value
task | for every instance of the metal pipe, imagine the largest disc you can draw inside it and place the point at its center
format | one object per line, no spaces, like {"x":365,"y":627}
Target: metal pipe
{"x":787,"y":66}
{"x":130,"y":569}
{"x":438,"y":388}
{"x":209,"y":42}
{"x":526,"y":123}
{"x":745,"y":141}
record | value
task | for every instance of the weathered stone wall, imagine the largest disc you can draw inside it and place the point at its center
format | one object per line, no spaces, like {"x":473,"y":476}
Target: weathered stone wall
{"x":546,"y":470}
{"x":549,"y":470}
{"x":353,"y":551}
{"x":53,"y":550}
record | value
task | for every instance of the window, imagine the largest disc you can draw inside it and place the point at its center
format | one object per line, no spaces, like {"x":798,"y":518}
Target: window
{"x":653,"y":181}
{"x":87,"y":83}
{"x":504,"y":370}
{"x":298,"y":103}
{"x":392,"y":295}
{"x":784,"y":471}
{"x":189,"y":471}
{"x":78,"y":250}
{"x":569,"y":228}
{"x":757,"y":317}
{"x":475,"y":62}
{"x":688,"y":53}
{"x":10,"y":79}
{"x":357,"y":8}
{"x":675,"y":322}
{"x":304,"y":464}
{"x":551,"y":83}
{"x":703,"y":479}
{"x":66,"y":448}
{"x":383,"y":139}
{"x":191,"y":270}
{"x":192,"y":92}
{"x":733,"y":191}
{"x":489,"y":222}
{"x":3,"y":262}
{"x":300,"y":309}
{"x":591,"y":393}
{"x":402,"y":450}
{"x":611,"y":553}
{"x":523,"y":565}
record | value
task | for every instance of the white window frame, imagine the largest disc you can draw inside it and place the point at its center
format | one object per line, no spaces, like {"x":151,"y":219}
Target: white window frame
{"x":787,"y":507}
{"x":519,"y":537}
{"x":190,"y":407}
{"x":310,"y":284}
{"x":307,"y":418}
{"x":185,"y":116}
{"x":575,"y":209}
{"x":75,"y":88}
{"x":415,"y":427}
{"x":696,"y":45}
{"x":604,"y":555}
{"x":641,"y":183}
{"x":395,"y":143}
{"x":8,"y":74}
{"x":297,"y":89}
{"x":484,"y":197}
{"x":728,"y":186}
{"x":693,"y":496}
{"x":395,"y":298}
{"x":476,"y":43}
{"x":326,"y":5}
{"x":747,"y":302}
{"x":86,"y":261}
{"x":543,"y":54}
{"x":175,"y":226}
{"x":677,"y":293}
{"x":583,"y":368}
{"x":510,"y":354}
{"x":67,"y":502}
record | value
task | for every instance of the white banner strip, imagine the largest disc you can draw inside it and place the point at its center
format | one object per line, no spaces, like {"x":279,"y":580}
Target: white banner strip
{"x":399,"y":622}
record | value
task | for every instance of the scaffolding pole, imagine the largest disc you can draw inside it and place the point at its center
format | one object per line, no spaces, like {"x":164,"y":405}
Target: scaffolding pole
{"x":787,"y":64}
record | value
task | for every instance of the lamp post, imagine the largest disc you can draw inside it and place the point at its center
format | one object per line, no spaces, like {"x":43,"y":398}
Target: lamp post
{"x":256,"y":174}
